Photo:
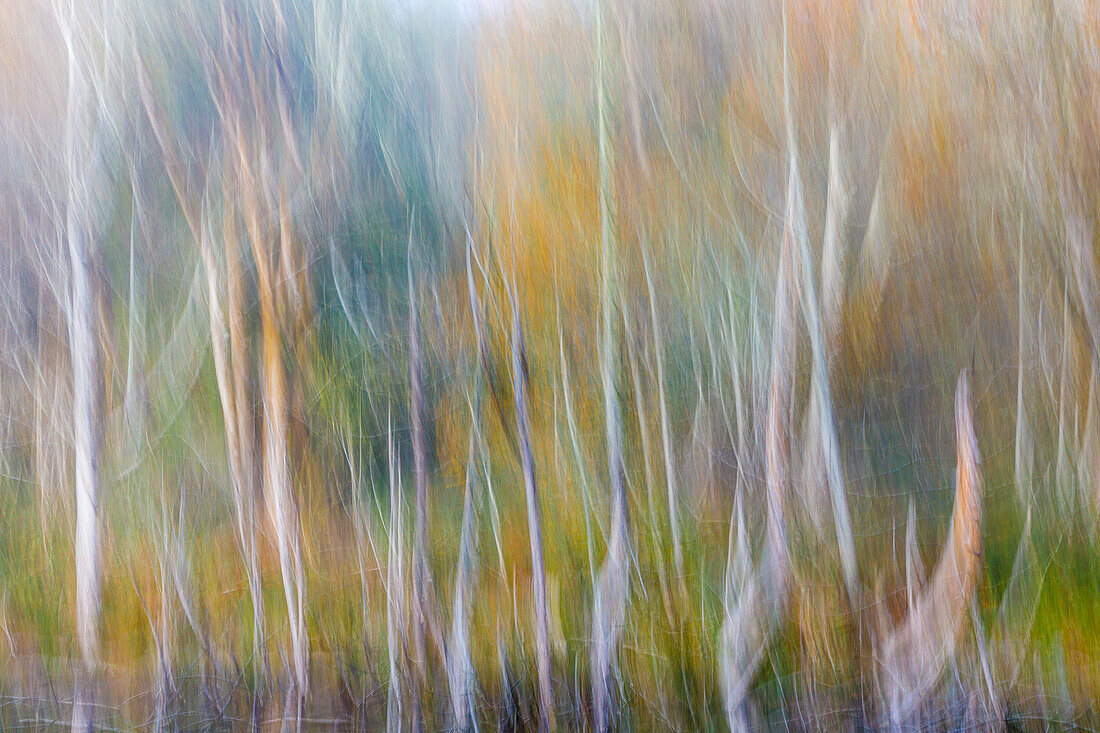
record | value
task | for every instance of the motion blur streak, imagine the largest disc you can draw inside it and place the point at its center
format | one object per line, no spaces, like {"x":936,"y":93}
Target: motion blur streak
{"x":518,"y":364}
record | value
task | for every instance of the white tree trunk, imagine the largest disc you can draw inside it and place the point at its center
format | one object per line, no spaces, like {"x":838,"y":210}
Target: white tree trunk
{"x":80,"y":132}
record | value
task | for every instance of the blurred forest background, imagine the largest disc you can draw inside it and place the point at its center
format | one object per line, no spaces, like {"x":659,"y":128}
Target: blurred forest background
{"x":549,"y":365}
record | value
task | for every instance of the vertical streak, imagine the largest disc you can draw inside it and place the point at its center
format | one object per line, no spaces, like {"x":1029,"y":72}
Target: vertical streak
{"x":395,"y":588}
{"x":86,"y":367}
{"x":534,"y":526}
{"x":421,"y":576}
{"x":609,"y":601}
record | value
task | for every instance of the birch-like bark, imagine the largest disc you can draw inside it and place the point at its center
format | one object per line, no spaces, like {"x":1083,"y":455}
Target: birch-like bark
{"x":460,"y":669}
{"x":395,"y":592}
{"x":244,"y":436}
{"x":279,"y":491}
{"x":421,"y":572}
{"x":81,"y":129}
{"x":87,"y":440}
{"x":612,"y":584}
{"x":820,"y":381}
{"x":534,"y":525}
{"x":666,"y":430}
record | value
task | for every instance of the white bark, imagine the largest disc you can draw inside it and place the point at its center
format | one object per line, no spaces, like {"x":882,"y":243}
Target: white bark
{"x":81,"y":130}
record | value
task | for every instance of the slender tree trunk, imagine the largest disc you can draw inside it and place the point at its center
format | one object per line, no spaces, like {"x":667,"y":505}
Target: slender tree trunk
{"x":534,"y":524}
{"x":666,"y":429}
{"x":245,"y":437}
{"x":87,"y":439}
{"x":612,"y":585}
{"x":421,"y":572}
{"x":395,"y":593}
{"x":460,"y":669}
{"x":279,"y":491}
{"x":80,"y":131}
